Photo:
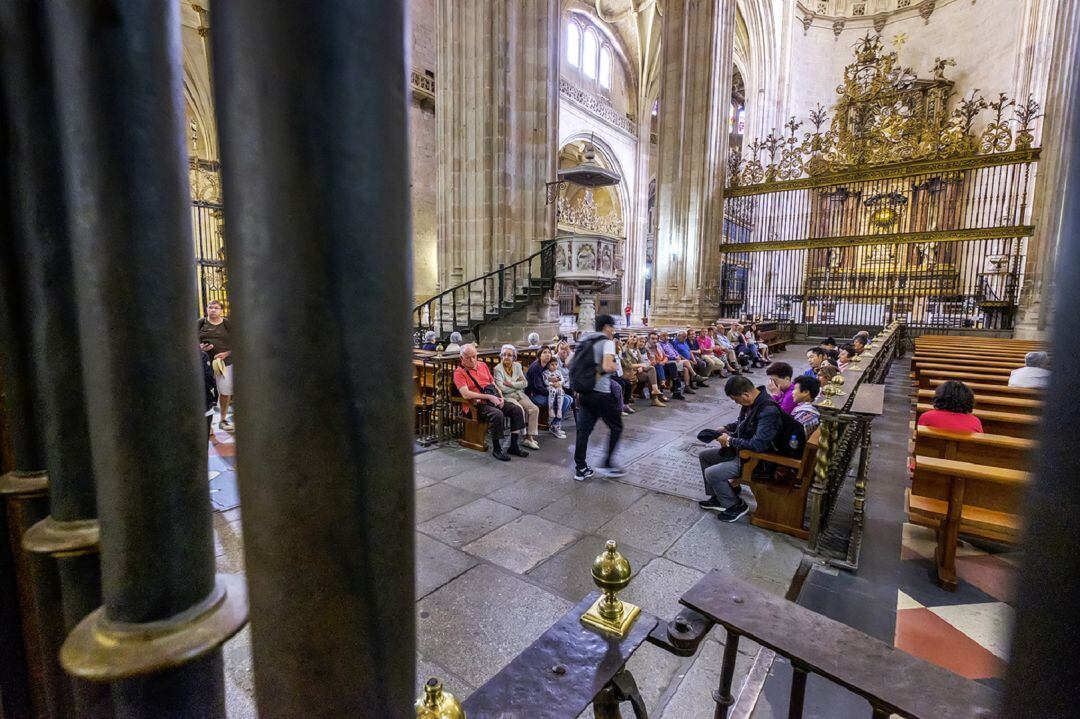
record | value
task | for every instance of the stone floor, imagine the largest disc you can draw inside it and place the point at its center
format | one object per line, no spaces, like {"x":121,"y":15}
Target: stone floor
{"x":494,"y":538}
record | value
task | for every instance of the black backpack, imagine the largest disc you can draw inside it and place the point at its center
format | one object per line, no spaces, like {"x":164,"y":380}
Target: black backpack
{"x":583,"y":367}
{"x":790,"y":428}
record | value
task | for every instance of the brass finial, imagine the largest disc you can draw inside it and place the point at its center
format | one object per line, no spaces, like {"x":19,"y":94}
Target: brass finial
{"x":611,"y":573}
{"x":828,"y":390}
{"x":837,"y":381}
{"x":856,"y":359}
{"x":435,"y":703}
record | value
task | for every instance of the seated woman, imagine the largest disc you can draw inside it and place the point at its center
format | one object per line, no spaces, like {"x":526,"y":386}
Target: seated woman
{"x":847,"y":353}
{"x":539,"y":391}
{"x":512,"y":383}
{"x":638,"y":370}
{"x":753,"y":337}
{"x":953,"y":404}
{"x":702,"y":342}
{"x":825,"y":372}
{"x":455,"y":342}
{"x":620,"y":386}
{"x":429,"y":341}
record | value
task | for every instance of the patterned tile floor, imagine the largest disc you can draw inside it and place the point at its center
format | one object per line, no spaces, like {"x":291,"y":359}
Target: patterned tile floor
{"x":966,"y":631}
{"x":221,"y":469}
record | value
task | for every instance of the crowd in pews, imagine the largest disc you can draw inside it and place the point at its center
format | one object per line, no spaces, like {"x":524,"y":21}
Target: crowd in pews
{"x":977,"y":403}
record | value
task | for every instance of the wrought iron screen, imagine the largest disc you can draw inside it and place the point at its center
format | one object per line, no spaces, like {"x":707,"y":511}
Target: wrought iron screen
{"x":899,"y":210}
{"x":210,"y":270}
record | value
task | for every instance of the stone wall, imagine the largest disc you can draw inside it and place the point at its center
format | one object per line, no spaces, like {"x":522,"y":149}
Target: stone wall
{"x":423,"y":156}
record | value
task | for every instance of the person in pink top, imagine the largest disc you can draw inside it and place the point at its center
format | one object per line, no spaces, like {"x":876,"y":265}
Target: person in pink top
{"x":780,"y":386}
{"x":953,"y":404}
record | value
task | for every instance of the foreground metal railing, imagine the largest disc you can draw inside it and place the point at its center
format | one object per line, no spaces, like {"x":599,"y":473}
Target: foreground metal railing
{"x":581,"y":660}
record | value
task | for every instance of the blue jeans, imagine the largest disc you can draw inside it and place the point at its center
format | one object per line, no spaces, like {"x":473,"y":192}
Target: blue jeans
{"x":541,"y":400}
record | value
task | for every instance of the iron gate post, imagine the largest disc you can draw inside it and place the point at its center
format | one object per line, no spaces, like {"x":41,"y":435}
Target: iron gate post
{"x":315,"y":174}
{"x":66,"y":541}
{"x":157,"y":639}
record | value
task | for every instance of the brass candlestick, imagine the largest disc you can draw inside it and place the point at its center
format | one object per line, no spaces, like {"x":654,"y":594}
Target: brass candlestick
{"x":611,"y":573}
{"x":435,"y":703}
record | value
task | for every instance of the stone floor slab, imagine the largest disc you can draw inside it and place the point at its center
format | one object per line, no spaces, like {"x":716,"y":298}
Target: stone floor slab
{"x":591,"y":504}
{"x":437,"y":564}
{"x":468,"y":522}
{"x":480,"y":621}
{"x":568,"y":573}
{"x":693,"y":698}
{"x":440,"y":498}
{"x":523,"y":543}
{"x":495,"y":475}
{"x":658,"y":586}
{"x":652,"y":523}
{"x":531,"y":494}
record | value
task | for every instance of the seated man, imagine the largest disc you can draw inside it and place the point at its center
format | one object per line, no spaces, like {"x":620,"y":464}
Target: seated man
{"x":1035,"y":373}
{"x":684,"y":367}
{"x":757,"y":430}
{"x":832,"y":352}
{"x":804,"y":391}
{"x":474,"y":381}
{"x":816,"y":357}
{"x":859,"y":343}
{"x":780,"y":387}
{"x":726,"y":350}
{"x":699,"y":367}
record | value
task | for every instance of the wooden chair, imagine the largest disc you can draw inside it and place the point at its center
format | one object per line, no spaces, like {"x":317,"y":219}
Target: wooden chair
{"x":954,"y":497}
{"x":781,"y":507}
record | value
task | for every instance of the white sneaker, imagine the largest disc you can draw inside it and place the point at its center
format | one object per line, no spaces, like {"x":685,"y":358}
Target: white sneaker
{"x":530,"y":443}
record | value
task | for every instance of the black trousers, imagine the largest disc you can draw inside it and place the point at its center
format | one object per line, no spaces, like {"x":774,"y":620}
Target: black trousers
{"x":591,"y":407}
{"x":495,"y":417}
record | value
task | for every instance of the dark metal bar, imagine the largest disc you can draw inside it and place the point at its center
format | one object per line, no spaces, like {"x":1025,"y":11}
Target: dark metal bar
{"x":69,"y":535}
{"x":117,"y":82}
{"x":722,"y":696}
{"x":798,"y":692}
{"x":327,"y":495}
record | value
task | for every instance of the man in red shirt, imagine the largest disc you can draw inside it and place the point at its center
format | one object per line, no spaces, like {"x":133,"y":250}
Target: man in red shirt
{"x":474,"y":381}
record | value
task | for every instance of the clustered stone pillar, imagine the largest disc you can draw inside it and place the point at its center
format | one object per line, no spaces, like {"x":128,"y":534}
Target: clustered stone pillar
{"x":496,"y":112}
{"x":697,"y":51}
{"x":1059,"y":142}
{"x":315,"y":169}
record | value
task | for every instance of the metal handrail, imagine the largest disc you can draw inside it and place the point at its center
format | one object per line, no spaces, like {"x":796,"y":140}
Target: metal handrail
{"x":488,"y":293}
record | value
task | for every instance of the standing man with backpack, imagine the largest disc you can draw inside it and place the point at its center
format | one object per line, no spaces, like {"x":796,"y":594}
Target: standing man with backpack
{"x":215,"y":340}
{"x":590,"y":376}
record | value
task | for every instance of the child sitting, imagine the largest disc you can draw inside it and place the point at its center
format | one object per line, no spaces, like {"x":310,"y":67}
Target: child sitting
{"x":553,"y":380}
{"x":804,"y":391}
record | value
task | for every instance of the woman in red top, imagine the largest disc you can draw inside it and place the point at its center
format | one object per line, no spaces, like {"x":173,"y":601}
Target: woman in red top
{"x":953,"y":403}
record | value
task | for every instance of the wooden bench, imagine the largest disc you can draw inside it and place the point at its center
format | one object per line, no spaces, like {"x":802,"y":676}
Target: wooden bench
{"x":965,"y":363}
{"x":925,"y":376}
{"x":772,"y":338}
{"x":980,"y":369}
{"x":474,"y":430}
{"x":1007,"y":423}
{"x":998,"y":403}
{"x":992,"y":450}
{"x":781,"y":507}
{"x":954,"y":497}
{"x":998,"y":390}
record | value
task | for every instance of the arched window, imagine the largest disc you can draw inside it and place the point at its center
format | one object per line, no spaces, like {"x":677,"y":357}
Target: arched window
{"x":573,"y":44}
{"x":605,"y":68}
{"x":588,"y":54}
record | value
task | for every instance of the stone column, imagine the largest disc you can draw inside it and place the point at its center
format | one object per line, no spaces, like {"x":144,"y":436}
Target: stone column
{"x":696,"y":84}
{"x":1059,"y":142}
{"x":496,"y":111}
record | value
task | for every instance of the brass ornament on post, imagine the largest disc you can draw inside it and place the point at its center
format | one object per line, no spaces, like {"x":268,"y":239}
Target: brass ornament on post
{"x":828,"y":390}
{"x":436,"y":703}
{"x":837,"y":381}
{"x":611,"y":573}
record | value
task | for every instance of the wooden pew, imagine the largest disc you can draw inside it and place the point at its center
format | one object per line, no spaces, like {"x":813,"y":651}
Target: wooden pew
{"x":1007,"y":423}
{"x":998,"y":403}
{"x":955,"y":497}
{"x":781,"y":507}
{"x":925,"y":376}
{"x":964,"y":363}
{"x":980,"y":369}
{"x":991,"y":450}
{"x":998,"y":390}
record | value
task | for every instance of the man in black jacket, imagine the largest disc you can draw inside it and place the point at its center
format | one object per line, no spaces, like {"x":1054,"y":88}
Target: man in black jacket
{"x":757,"y":430}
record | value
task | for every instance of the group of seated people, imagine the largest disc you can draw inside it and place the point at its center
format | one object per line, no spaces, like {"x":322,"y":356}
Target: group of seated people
{"x":775,"y":418}
{"x":664,"y":366}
